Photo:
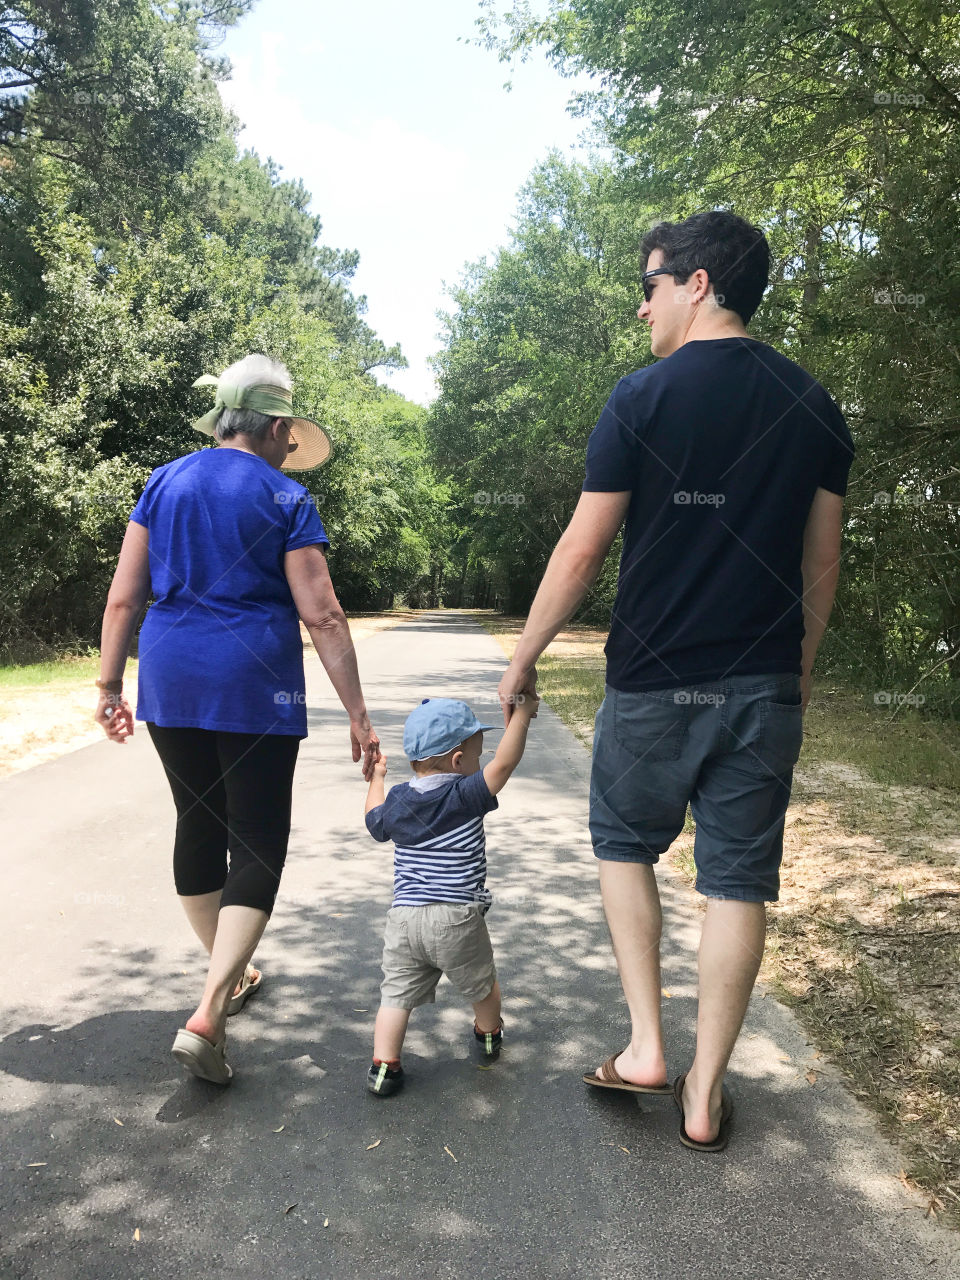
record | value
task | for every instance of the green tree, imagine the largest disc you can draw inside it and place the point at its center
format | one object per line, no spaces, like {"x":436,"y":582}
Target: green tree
{"x":836,"y":128}
{"x":537,"y":342}
{"x":138,"y":250}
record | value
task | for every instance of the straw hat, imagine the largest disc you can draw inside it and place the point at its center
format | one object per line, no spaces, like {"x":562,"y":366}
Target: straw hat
{"x":314,"y":445}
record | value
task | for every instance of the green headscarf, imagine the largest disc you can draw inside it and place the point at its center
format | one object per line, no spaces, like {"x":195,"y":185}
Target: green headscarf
{"x":313,"y":443}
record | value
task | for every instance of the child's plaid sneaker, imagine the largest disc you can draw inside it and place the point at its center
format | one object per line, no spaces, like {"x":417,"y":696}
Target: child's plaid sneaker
{"x":487,"y":1043}
{"x":385,"y":1078}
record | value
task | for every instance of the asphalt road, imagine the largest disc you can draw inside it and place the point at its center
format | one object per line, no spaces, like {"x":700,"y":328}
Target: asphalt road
{"x":115,"y":1163}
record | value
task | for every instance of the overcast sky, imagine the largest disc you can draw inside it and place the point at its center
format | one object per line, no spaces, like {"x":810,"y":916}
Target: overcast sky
{"x":410,"y":145}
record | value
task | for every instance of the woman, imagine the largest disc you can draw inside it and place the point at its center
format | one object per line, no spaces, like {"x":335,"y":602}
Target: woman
{"x":234,"y":553}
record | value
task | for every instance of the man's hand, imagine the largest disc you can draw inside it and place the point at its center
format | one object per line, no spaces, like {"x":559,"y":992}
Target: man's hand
{"x":516,"y":683}
{"x":115,"y":716}
{"x":364,"y":742}
{"x":806,"y":688}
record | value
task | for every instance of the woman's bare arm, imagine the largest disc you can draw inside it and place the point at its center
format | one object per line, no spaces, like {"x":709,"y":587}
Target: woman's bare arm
{"x":317,"y":604}
{"x":128,"y":593}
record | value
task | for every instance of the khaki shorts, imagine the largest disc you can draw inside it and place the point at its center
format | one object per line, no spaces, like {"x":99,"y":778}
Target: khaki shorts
{"x":421,"y":944}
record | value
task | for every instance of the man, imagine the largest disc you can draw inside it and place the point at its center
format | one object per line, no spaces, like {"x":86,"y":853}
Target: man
{"x":728,"y":464}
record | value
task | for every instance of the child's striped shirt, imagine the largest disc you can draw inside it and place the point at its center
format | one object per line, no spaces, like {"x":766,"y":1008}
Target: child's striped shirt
{"x":436,"y":824}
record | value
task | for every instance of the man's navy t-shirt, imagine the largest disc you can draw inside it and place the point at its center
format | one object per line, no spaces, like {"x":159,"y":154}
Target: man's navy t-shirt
{"x":723,"y":445}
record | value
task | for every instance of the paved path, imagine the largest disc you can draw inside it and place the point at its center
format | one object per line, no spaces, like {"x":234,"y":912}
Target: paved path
{"x":514,"y":1171}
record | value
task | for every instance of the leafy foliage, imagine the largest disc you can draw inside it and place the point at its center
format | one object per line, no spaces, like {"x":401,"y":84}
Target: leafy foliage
{"x":138,"y":250}
{"x":538,"y":339}
{"x":837,"y":128}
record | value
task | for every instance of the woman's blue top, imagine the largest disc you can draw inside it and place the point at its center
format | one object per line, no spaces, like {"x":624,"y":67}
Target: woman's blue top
{"x":220,"y":647}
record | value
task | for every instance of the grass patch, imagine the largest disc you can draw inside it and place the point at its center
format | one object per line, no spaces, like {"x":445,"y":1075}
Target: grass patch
{"x":66,"y":670}
{"x":574,"y":684}
{"x":900,"y":747}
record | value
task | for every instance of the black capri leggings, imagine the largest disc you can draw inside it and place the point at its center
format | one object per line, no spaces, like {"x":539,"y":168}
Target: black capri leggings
{"x":232,"y":792}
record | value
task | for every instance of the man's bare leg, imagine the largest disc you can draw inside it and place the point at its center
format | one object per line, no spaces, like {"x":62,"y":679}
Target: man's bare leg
{"x":631,"y":902}
{"x":731,"y":948}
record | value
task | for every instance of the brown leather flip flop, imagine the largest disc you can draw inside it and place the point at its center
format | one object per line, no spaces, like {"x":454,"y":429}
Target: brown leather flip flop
{"x":609,"y":1078}
{"x":723,"y":1133}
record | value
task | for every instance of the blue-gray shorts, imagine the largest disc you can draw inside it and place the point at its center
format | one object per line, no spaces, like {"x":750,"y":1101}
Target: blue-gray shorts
{"x":726,"y":749}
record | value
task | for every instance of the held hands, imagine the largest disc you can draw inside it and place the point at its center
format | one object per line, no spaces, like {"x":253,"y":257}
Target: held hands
{"x":527,"y":705}
{"x":380,"y":766}
{"x":364,"y":742}
{"x":115,"y":716}
{"x":516,"y":689}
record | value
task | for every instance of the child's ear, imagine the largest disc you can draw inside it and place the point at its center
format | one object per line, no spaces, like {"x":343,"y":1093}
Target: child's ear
{"x":455,"y":761}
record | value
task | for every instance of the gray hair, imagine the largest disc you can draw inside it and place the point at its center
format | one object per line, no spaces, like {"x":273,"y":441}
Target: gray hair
{"x":251,"y":371}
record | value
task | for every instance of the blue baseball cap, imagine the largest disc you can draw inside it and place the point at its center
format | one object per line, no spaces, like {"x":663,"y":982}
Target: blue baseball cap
{"x":437,"y":726}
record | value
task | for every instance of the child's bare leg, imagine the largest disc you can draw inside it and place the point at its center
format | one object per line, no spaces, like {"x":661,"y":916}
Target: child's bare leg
{"x":487,"y":1011}
{"x":388,"y":1033}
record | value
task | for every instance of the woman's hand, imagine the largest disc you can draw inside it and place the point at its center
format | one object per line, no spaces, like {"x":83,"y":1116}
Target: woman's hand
{"x":115,"y":716}
{"x":364,"y":742}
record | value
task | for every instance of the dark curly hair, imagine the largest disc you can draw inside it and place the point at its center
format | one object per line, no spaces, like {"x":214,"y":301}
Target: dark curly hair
{"x":733,"y":252}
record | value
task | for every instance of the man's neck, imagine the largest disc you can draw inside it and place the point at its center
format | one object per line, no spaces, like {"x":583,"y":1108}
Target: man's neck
{"x":706,"y":327}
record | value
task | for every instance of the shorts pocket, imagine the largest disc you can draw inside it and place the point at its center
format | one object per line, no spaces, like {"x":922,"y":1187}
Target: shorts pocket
{"x":778,"y":746}
{"x":650,"y":726}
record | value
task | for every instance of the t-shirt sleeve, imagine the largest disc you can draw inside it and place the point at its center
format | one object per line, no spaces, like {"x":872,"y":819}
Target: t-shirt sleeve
{"x":475,"y":795}
{"x":375,"y":823}
{"x":141,"y":512}
{"x":836,"y":468}
{"x":613,"y":450}
{"x":305,"y":526}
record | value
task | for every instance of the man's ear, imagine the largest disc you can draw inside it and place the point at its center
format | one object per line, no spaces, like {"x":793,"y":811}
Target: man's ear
{"x":701,"y":279}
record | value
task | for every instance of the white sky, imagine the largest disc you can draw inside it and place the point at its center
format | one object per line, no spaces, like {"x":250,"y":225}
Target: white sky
{"x":410,"y":145}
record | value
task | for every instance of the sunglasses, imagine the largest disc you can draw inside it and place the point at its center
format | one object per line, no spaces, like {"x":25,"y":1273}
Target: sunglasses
{"x":647,"y":276}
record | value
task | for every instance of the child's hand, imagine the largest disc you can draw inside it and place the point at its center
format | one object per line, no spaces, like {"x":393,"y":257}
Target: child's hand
{"x":380,"y":767}
{"x":526,"y":705}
